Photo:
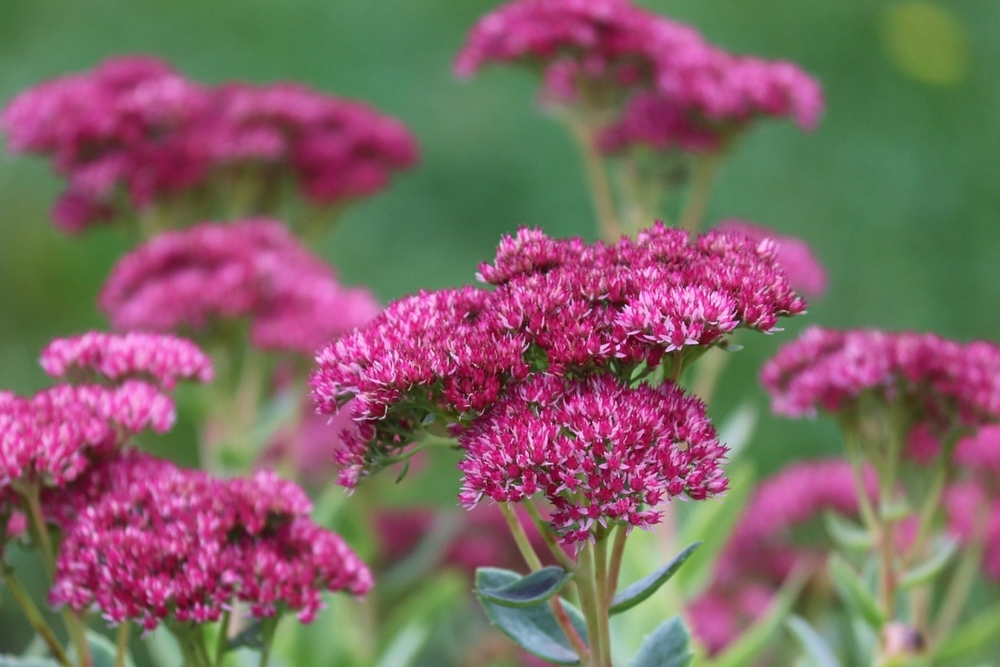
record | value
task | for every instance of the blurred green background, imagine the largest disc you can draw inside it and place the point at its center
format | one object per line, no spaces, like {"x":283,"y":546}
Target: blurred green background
{"x":898,"y":191}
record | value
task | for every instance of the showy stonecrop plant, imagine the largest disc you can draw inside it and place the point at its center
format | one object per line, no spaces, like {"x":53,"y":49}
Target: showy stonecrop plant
{"x":559,"y":386}
{"x":138,"y":540}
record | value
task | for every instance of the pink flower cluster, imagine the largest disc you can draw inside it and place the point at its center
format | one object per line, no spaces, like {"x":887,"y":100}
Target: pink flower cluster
{"x":948,"y":383}
{"x":134,"y":127}
{"x":161,"y":358}
{"x":52,"y":437}
{"x":190,"y":279}
{"x":560,"y":306}
{"x":162,"y":543}
{"x":761,"y":552}
{"x":796,"y":258}
{"x":600,"y":451}
{"x":692,"y":93}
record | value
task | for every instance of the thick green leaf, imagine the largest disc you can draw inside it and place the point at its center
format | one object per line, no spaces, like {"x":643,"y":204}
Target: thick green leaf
{"x":14,"y":661}
{"x":971,"y":638}
{"x":533,"y":628}
{"x":846,"y":533}
{"x":748,"y":645}
{"x":923,"y":573}
{"x":666,"y":646}
{"x":712,"y":522}
{"x":819,"y":652}
{"x":530,"y":590}
{"x":855,"y":592}
{"x":645,"y":587}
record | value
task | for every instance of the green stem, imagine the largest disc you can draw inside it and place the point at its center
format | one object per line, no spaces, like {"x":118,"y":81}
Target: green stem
{"x":33,"y":615}
{"x":962,"y":582}
{"x":39,"y":529}
{"x":268,"y":629}
{"x":543,"y":529}
{"x":617,"y":553}
{"x":222,"y":641}
{"x":121,"y":645}
{"x":705,"y":169}
{"x":521,"y":537}
{"x":597,"y":180}
{"x":38,"y":526}
{"x":931,"y":504}
{"x":603,"y":599}
{"x":587,"y":588}
{"x":535,"y":563}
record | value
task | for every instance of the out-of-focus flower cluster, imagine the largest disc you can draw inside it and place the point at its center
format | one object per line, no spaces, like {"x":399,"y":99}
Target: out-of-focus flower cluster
{"x":133,"y":133}
{"x":557,"y":345}
{"x":942,"y":384}
{"x":188,"y":280}
{"x":648,"y":79}
{"x":162,"y":543}
{"x":159,"y":357}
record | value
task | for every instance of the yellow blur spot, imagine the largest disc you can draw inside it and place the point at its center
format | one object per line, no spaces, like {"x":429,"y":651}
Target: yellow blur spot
{"x":926,"y":42}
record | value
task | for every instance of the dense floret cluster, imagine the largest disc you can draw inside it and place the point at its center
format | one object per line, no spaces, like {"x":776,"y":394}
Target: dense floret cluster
{"x":562,"y":307}
{"x":134,"y":130}
{"x":51,"y":438}
{"x":600,"y":54}
{"x":190,"y":279}
{"x":600,"y":452}
{"x":944,"y":383}
{"x":166,"y":544}
{"x":162,"y":358}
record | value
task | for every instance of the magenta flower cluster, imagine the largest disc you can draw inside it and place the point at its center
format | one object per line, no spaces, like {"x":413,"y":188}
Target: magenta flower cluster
{"x":166,"y":544}
{"x":947,"y":383}
{"x":134,"y":128}
{"x":568,"y":328}
{"x":691,"y":93}
{"x":50,"y":438}
{"x":576,"y":306}
{"x":161,"y":358}
{"x":53,"y":438}
{"x":600,"y":451}
{"x":189,"y":280}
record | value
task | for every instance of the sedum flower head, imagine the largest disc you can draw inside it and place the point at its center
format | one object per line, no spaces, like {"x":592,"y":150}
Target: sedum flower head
{"x":254,"y":269}
{"x":335,"y":149}
{"x":134,"y":132}
{"x":51,"y":438}
{"x":942,"y":382}
{"x":166,"y":544}
{"x":563,"y":307}
{"x":162,"y":358}
{"x":601,"y":452}
{"x":118,"y":127}
{"x":664,"y":83}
